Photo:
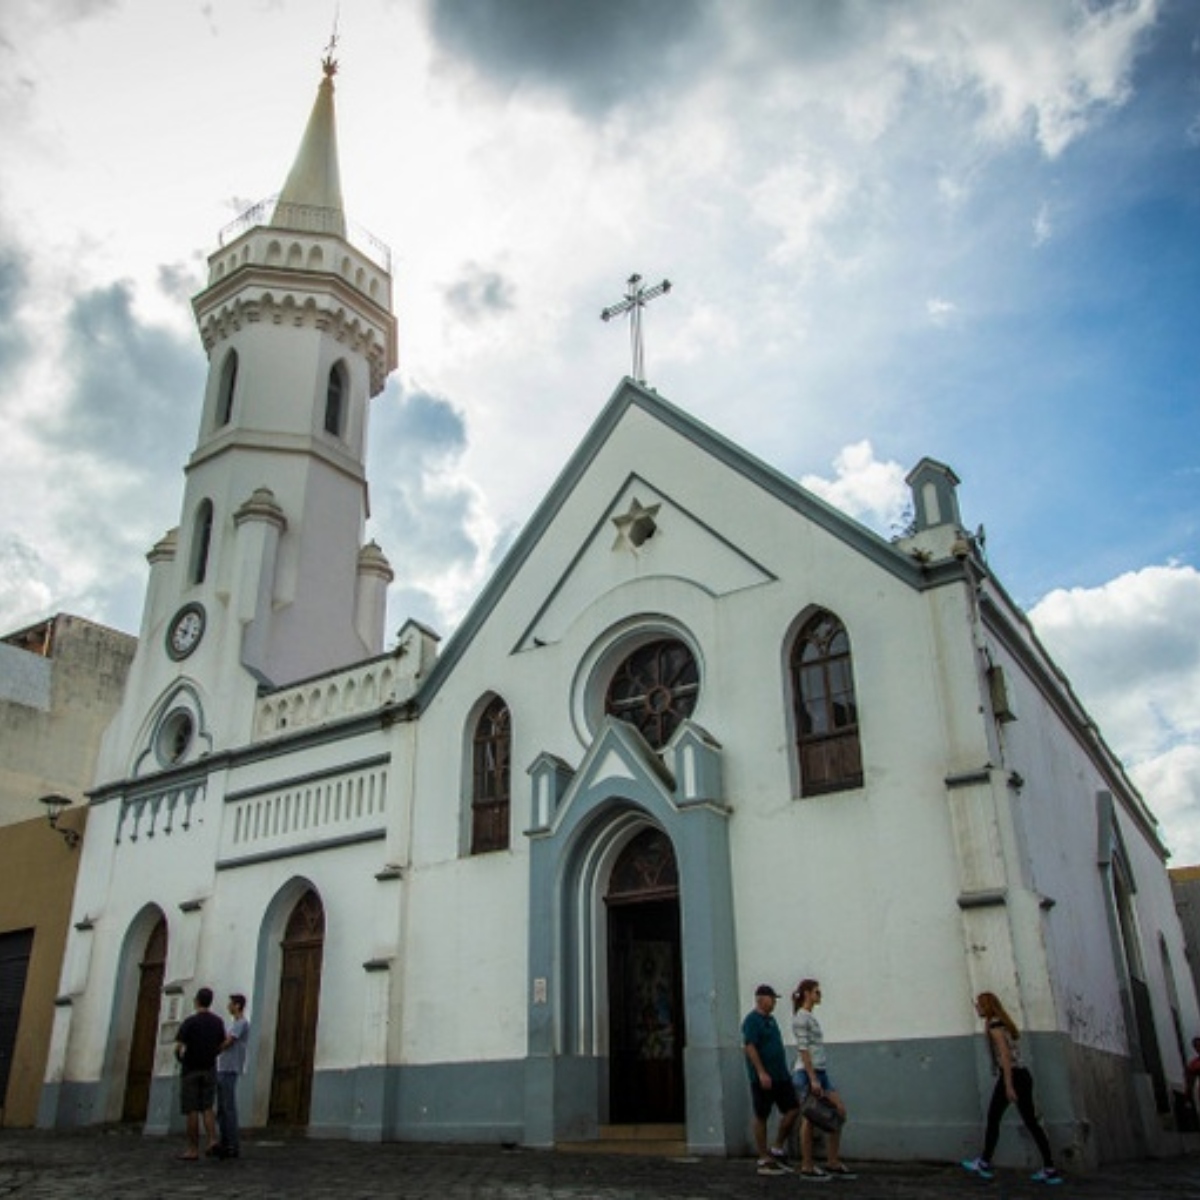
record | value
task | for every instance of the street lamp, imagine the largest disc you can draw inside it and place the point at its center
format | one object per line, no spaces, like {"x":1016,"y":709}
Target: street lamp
{"x":54,"y":808}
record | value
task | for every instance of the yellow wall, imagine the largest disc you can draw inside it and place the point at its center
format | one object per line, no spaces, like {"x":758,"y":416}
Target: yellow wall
{"x":37,"y":884}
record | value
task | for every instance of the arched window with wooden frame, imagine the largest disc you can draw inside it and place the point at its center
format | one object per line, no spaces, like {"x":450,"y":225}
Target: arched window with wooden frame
{"x":826,"y":711}
{"x":491,"y":779}
{"x":227,"y":389}
{"x":335,"y":400}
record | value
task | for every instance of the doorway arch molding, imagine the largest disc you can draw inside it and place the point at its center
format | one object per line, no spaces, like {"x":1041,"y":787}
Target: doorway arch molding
{"x":582,"y":821}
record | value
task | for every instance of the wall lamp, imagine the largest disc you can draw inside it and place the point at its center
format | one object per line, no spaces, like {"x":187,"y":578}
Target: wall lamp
{"x":54,"y":808}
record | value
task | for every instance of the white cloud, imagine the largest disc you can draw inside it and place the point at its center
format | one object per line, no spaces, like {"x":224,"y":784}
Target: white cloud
{"x":871,"y":491}
{"x":1131,"y":651}
{"x":940,"y":312}
{"x":1043,"y":226}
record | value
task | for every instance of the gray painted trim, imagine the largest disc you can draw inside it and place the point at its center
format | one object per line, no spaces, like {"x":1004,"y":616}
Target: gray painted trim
{"x":569,"y":863}
{"x":274,"y":785}
{"x":985,"y":899}
{"x":353,"y":839}
{"x":910,"y":1100}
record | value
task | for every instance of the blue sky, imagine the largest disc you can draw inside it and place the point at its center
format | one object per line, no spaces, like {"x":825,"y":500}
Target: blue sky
{"x":969,"y":230}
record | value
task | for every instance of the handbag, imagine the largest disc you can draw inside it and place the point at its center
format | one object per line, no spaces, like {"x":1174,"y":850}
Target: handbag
{"x":821,"y":1112}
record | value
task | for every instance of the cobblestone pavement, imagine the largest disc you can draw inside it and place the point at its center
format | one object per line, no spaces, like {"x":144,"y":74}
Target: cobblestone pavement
{"x":96,"y":1165}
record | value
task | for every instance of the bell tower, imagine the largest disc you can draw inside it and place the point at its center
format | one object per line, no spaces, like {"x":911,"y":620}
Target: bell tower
{"x":296,"y":320}
{"x":267,"y":578}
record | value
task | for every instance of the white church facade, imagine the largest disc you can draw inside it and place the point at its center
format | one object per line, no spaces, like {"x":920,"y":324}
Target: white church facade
{"x":700,"y":730}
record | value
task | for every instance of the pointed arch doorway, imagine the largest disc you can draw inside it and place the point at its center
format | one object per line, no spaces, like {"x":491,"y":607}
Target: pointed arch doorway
{"x":645,"y":984}
{"x":140,"y":1071}
{"x":296,"y":1019}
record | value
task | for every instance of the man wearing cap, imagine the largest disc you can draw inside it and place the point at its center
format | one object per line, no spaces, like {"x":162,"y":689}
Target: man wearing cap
{"x":770,"y":1080}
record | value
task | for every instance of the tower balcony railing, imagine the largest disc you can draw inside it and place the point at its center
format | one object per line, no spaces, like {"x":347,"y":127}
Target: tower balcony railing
{"x":308,"y":218}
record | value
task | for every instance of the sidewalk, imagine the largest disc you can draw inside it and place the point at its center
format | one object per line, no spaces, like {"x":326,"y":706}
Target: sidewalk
{"x":121,"y":1165}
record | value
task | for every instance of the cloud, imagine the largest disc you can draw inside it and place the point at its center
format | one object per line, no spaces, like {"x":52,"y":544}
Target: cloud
{"x":428,"y":517}
{"x":871,"y":491}
{"x":14,"y":345}
{"x":134,"y":385}
{"x":480,"y":293}
{"x":1171,"y":783}
{"x":1130,"y":649}
{"x":28,"y":585}
{"x":596,"y":55}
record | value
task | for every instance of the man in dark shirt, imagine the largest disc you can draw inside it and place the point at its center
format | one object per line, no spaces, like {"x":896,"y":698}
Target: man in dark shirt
{"x":197,"y":1044}
{"x":770,"y":1080}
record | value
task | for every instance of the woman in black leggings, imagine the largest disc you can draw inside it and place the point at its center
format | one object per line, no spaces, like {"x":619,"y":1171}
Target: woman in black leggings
{"x":1014,"y":1085}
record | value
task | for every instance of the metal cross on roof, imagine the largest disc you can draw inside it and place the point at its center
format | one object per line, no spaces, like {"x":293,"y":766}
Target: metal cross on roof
{"x":636,"y":298}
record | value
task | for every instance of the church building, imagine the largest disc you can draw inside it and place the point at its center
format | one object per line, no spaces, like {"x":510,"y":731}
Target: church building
{"x":699,"y":731}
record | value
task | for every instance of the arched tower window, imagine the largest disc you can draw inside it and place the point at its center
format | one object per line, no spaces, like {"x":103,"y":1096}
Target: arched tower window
{"x":826,"y":712}
{"x":225,"y":393}
{"x":201,"y":541}
{"x":335,"y":400}
{"x":491,"y":775}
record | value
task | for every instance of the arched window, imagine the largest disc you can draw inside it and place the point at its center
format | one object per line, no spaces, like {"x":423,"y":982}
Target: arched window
{"x":492,"y":752}
{"x":226,"y":391}
{"x":826,"y":711}
{"x":335,"y":400}
{"x":201,"y":541}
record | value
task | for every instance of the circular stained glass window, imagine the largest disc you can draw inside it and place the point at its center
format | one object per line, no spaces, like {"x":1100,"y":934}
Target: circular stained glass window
{"x":655,"y":688}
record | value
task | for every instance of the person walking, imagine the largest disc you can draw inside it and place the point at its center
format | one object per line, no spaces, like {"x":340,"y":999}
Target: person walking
{"x":812,"y":1075}
{"x":1014,"y":1085}
{"x":231,"y":1062}
{"x":770,"y":1083}
{"x":197,"y":1043}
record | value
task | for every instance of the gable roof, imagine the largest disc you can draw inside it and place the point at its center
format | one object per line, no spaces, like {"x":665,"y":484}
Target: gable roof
{"x":787,"y":491}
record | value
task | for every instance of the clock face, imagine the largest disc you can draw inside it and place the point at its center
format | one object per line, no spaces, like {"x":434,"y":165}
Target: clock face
{"x":185,"y":631}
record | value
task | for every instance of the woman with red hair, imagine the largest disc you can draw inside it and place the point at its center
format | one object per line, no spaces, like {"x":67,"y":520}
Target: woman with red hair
{"x":1014,"y":1085}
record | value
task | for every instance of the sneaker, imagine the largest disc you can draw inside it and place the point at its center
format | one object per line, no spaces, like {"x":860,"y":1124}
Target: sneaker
{"x":841,"y":1171}
{"x":816,"y":1175}
{"x":780,"y":1157}
{"x":1047,"y":1175}
{"x":768,"y":1166}
{"x":980,"y":1167}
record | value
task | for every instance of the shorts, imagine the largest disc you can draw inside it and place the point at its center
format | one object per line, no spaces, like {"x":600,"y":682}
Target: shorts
{"x":197,"y":1091}
{"x":800,"y":1080}
{"x":781,"y":1095}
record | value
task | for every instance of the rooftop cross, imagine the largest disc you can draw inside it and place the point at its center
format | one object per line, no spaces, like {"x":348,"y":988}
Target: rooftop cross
{"x":636,"y":298}
{"x":328,"y":62}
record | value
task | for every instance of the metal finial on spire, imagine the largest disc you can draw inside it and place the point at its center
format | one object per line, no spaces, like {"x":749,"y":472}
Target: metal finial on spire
{"x":636,"y":298}
{"x":328,"y":62}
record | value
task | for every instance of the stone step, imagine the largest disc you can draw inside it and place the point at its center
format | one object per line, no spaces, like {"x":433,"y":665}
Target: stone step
{"x":655,"y":1141}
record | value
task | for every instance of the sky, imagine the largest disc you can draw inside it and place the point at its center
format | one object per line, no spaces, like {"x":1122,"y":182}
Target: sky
{"x":968,"y":229}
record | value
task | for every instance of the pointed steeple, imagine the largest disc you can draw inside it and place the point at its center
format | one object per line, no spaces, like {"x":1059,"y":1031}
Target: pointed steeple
{"x":311,"y":199}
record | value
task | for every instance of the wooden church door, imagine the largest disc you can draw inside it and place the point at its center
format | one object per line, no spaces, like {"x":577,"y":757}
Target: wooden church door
{"x":151,"y":973}
{"x":645,"y":984}
{"x":296,"y":1023}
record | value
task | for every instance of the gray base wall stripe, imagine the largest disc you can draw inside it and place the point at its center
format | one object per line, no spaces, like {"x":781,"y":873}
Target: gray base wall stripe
{"x":921,"y":1099}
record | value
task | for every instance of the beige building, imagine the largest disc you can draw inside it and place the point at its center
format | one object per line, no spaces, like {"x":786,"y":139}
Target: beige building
{"x":60,"y":684}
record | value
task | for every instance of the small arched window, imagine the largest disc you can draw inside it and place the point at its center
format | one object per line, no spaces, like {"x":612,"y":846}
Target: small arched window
{"x":826,"y":712}
{"x":225,"y":394}
{"x":335,"y":400}
{"x":201,"y":541}
{"x":491,"y":776}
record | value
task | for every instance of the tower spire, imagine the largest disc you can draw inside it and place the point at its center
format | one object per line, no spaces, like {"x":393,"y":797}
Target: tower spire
{"x":311,"y":199}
